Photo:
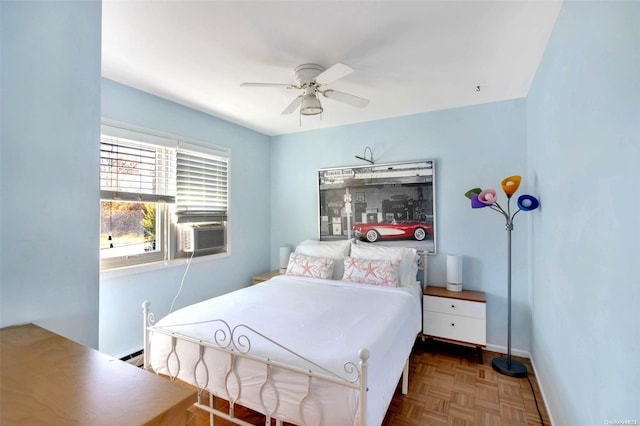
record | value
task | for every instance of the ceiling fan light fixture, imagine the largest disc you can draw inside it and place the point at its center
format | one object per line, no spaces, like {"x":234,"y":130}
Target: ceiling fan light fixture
{"x":311,"y":79}
{"x":310,"y":105}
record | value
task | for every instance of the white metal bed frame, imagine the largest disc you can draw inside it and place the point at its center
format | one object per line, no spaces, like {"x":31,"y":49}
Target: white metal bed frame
{"x":234,"y":342}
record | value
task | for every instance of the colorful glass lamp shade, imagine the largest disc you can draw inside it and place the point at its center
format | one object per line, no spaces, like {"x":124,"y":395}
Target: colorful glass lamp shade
{"x":476,"y":203}
{"x":527,"y":203}
{"x":489,"y":198}
{"x":472,"y":191}
{"x":511,"y":184}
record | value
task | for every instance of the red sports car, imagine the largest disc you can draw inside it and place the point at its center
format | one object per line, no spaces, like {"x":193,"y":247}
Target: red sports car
{"x":392,"y":230}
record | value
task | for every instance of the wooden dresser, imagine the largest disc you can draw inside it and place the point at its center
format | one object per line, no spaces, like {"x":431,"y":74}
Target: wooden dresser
{"x":48,"y":379}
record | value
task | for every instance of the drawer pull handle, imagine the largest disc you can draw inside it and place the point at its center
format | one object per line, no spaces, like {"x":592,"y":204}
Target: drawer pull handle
{"x":453,"y":306}
{"x":453,"y":325}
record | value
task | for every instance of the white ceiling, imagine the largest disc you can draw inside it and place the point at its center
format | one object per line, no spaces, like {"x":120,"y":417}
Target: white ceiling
{"x":408,"y":56}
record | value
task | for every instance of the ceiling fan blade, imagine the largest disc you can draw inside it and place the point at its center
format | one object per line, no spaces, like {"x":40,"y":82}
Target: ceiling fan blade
{"x":333,"y":73}
{"x":293,"y":105}
{"x":287,"y":86}
{"x":346,"y":98}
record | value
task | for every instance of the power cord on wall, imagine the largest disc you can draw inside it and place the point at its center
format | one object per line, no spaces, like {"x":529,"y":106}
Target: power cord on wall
{"x":536,"y":400}
{"x":182,"y":281}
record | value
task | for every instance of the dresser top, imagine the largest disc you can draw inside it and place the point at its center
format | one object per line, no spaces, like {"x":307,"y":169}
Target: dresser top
{"x":49,"y":379}
{"x":473,"y":296}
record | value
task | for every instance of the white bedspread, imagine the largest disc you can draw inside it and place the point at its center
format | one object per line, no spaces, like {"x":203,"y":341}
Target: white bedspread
{"x":325,"y":321}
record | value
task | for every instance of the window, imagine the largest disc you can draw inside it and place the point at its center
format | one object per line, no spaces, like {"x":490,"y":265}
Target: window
{"x":202,"y":190}
{"x":161,"y":198}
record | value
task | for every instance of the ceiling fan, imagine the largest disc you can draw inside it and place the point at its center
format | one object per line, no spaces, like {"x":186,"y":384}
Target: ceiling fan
{"x":311,"y":79}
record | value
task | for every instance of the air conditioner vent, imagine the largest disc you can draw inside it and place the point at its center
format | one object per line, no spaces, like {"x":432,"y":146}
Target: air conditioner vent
{"x":202,"y":238}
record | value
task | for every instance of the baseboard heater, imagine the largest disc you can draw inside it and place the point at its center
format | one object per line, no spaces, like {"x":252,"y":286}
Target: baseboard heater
{"x":136,"y":358}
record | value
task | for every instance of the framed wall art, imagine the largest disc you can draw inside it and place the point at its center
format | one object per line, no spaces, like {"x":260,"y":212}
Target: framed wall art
{"x":390,"y":204}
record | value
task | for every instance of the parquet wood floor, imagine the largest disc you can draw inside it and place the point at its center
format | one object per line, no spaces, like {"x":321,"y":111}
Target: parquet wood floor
{"x":448,"y":386}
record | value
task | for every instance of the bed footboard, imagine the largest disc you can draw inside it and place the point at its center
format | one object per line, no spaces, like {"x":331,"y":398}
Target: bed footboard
{"x":234,"y":346}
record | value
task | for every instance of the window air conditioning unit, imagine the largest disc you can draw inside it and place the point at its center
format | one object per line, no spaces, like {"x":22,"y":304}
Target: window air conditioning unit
{"x":201,"y":238}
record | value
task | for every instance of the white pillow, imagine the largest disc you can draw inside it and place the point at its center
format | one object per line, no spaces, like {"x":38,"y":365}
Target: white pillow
{"x":309,"y":266}
{"x":371,"y":271}
{"x":332,"y":249}
{"x":408,"y":258}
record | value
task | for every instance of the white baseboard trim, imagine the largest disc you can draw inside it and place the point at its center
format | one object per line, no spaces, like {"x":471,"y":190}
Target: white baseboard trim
{"x":525,"y":354}
{"x":503,"y":350}
{"x":135,"y":358}
{"x":544,"y":397}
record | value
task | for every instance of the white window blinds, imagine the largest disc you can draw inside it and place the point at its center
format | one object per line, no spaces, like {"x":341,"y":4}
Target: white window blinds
{"x":135,"y":171}
{"x":137,"y":166}
{"x":201,"y":186}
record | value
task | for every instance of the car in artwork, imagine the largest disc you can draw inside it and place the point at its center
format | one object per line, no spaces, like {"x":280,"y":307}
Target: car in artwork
{"x":373,"y":232}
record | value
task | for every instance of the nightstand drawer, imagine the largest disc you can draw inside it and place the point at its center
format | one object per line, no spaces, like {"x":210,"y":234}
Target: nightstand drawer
{"x":454,"y":327}
{"x":454,"y":307}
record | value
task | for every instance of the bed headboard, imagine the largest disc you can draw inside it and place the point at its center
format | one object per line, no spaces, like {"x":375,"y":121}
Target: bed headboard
{"x":423,"y":258}
{"x":412,"y":262}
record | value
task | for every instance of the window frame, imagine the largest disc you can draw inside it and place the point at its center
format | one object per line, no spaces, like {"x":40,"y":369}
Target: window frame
{"x":162,"y":212}
{"x":170,"y":226}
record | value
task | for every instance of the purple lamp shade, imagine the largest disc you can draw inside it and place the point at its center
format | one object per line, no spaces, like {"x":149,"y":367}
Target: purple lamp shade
{"x":476,"y":203}
{"x":528,"y":203}
{"x":511,"y":184}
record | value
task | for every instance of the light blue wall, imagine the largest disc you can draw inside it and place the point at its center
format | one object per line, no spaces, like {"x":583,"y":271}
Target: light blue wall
{"x":584,"y":154}
{"x":473,"y":146}
{"x":575,"y":139}
{"x":121,"y":293}
{"x":49,"y":195}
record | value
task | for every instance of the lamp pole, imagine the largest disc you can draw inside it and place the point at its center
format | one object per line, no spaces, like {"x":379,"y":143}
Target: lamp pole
{"x":507,"y":366}
{"x":489,"y":198}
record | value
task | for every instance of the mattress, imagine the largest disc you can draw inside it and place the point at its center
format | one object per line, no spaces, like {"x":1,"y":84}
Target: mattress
{"x":326,"y":322}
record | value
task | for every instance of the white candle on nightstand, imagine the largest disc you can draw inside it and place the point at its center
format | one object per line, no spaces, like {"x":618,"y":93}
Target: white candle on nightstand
{"x":454,"y":272}
{"x":285,"y":252}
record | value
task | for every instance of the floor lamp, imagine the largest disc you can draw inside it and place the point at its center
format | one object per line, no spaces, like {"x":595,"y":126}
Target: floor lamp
{"x":489,"y":198}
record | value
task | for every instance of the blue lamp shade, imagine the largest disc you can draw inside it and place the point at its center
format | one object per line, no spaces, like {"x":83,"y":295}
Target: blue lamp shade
{"x":476,"y":203}
{"x":528,"y":202}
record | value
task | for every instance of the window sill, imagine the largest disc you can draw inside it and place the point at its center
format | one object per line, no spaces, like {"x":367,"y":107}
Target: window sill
{"x":156,"y":266}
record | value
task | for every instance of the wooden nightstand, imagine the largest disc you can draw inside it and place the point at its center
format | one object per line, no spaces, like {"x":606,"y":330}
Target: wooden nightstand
{"x":455,"y":316}
{"x":266,"y":276}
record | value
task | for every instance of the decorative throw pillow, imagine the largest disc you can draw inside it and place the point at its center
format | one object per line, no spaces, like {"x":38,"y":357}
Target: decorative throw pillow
{"x":371,"y":271}
{"x":336,"y":250}
{"x":310,"y":266}
{"x":408,"y":258}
